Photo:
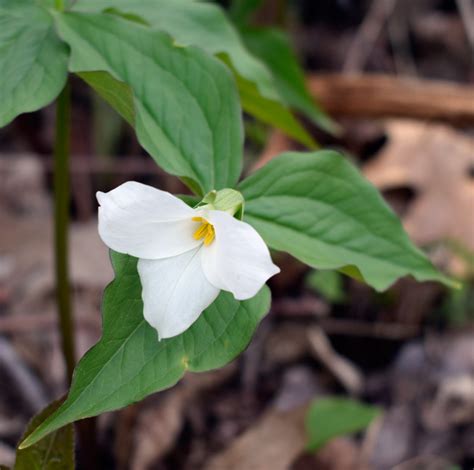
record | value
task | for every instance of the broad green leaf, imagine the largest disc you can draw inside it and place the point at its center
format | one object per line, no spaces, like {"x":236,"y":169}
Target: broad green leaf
{"x":272,"y":112}
{"x":56,"y":452}
{"x":205,"y":25}
{"x":273,"y":47}
{"x":130,"y":363}
{"x":331,"y":417}
{"x":193,"y":23}
{"x":33,"y":61}
{"x":319,"y":208}
{"x":187,"y":114}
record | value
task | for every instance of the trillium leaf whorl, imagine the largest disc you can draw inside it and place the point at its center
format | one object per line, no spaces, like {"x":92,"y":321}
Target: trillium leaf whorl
{"x":186,"y":256}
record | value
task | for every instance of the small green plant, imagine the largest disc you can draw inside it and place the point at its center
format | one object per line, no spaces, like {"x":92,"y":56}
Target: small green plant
{"x":179,"y":73}
{"x":331,"y":417}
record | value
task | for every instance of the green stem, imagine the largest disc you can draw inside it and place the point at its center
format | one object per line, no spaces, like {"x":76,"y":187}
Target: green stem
{"x":61,"y":225}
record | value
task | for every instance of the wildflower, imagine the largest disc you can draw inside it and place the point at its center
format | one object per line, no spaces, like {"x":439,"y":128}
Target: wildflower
{"x":186,"y":256}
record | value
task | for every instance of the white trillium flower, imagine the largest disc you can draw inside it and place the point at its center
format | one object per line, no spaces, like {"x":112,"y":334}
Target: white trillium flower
{"x":186,"y":256}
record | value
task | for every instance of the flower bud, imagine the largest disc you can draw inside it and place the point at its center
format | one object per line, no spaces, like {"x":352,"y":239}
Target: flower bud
{"x":227,"y":200}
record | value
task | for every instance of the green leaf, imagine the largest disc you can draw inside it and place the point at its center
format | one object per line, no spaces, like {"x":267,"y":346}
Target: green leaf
{"x":33,"y":61}
{"x":130,"y":363}
{"x":205,"y":25}
{"x":331,"y":417}
{"x":273,"y":47}
{"x":187,"y":114}
{"x":271,"y":112}
{"x":56,"y":452}
{"x":320,"y":209}
{"x":193,"y":23}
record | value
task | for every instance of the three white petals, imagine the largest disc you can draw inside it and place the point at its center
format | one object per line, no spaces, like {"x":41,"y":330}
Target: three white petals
{"x":186,"y":256}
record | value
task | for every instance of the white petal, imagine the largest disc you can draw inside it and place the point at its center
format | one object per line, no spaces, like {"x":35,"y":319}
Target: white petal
{"x":175,"y":292}
{"x":238,"y":259}
{"x":145,"y":222}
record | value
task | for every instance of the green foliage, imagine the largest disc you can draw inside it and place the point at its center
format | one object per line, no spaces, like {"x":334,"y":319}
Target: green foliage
{"x":273,"y":47}
{"x":187,"y":114}
{"x":331,"y":417}
{"x":33,"y":61}
{"x":320,"y":209}
{"x":328,"y":284}
{"x":206,"y":26}
{"x":272,"y":112}
{"x":193,"y":23}
{"x":129,"y":362}
{"x":55,"y":452}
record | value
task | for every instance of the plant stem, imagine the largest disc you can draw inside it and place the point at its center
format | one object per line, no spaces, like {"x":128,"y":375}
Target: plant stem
{"x":61,"y":225}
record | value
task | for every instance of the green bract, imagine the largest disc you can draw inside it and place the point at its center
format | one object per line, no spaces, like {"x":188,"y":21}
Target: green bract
{"x":189,"y":23}
{"x":187,"y":111}
{"x":320,"y":209}
{"x":129,"y":363}
{"x":228,"y":200}
{"x":205,"y":25}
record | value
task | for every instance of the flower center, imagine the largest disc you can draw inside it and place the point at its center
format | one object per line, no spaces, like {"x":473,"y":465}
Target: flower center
{"x":205,"y":231}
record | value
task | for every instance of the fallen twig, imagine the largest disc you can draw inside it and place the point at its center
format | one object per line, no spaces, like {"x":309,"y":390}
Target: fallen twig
{"x":368,"y":95}
{"x":345,"y":371}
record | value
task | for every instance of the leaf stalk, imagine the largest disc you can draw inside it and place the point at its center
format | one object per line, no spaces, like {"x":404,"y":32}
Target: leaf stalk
{"x":61,"y":225}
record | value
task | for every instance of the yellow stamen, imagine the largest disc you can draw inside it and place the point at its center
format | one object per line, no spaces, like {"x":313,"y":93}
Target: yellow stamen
{"x":209,"y":238}
{"x":200,"y":232}
{"x":205,"y":230}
